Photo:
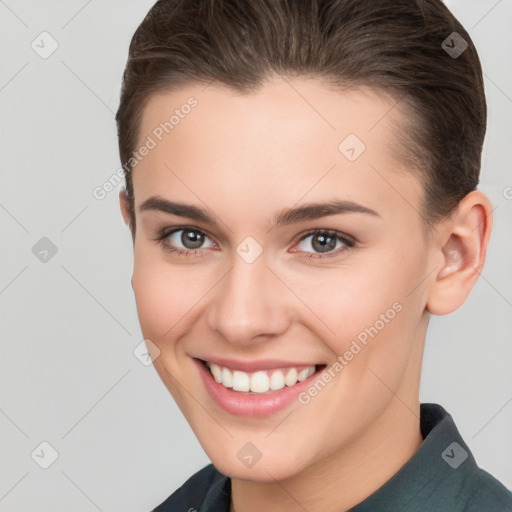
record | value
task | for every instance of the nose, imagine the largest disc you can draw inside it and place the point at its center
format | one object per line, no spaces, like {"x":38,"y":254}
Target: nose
{"x":249,"y":304}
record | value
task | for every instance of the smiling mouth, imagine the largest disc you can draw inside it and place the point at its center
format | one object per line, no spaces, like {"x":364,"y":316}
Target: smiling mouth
{"x":262,"y":381}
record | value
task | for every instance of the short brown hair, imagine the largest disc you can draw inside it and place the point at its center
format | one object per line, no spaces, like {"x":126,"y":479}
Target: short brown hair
{"x":394,"y":46}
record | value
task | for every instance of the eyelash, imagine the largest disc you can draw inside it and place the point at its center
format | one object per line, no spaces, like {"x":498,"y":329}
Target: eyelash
{"x":348,"y":242}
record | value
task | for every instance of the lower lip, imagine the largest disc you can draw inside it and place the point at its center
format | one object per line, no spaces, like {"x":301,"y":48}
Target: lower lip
{"x":243,"y":404}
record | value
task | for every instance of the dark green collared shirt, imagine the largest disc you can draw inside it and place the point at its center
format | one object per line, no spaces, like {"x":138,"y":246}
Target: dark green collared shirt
{"x":441,"y":476}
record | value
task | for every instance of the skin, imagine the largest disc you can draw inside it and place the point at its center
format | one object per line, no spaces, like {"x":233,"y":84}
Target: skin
{"x":246,"y":158}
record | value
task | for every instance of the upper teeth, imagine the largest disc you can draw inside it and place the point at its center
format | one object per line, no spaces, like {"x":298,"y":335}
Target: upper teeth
{"x":260,"y":381}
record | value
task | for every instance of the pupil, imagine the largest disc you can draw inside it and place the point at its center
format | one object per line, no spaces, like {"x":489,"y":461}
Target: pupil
{"x":192,"y":239}
{"x":324,"y":246}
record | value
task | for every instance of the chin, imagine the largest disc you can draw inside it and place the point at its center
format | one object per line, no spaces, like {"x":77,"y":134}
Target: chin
{"x":265,"y":469}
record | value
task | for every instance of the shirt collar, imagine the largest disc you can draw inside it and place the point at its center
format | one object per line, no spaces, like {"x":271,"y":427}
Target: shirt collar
{"x":433,"y":474}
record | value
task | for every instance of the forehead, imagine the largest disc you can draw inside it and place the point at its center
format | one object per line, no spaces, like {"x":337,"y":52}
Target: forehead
{"x":287,"y":107}
{"x":289,"y":138}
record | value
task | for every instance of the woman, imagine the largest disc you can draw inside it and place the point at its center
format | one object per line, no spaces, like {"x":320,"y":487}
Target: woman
{"x":301,"y":189}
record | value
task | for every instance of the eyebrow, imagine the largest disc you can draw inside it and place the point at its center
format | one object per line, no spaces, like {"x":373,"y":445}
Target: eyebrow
{"x":308,"y":211}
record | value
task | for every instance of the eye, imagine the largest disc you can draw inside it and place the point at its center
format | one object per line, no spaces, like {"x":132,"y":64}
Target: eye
{"x":325,"y":242}
{"x":189,"y":241}
{"x":184,"y":241}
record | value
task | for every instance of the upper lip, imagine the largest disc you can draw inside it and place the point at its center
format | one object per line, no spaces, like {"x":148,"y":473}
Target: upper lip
{"x":253,"y":366}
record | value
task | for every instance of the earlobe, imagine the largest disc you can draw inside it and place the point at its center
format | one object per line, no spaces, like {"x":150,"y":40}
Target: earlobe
{"x":462,"y":246}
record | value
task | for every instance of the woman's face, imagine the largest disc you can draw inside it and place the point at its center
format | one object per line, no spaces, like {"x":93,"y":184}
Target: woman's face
{"x":239,"y":280}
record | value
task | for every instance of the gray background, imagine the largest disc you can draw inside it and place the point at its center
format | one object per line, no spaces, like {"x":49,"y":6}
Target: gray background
{"x":69,"y":325}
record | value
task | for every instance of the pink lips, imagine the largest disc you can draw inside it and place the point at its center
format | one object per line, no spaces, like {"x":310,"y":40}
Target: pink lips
{"x":251,"y":405}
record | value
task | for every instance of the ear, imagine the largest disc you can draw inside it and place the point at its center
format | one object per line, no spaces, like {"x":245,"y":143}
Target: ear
{"x":124,"y":203}
{"x":126,"y":212}
{"x":462,"y":246}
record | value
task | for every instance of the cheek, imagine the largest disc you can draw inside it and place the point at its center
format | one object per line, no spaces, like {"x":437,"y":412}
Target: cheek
{"x":367,"y":309}
{"x":161,"y":295}
{"x":168,"y":295}
{"x":349,"y":300}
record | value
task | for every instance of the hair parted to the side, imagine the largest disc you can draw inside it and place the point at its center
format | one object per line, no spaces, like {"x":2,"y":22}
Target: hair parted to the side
{"x":393,"y":46}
